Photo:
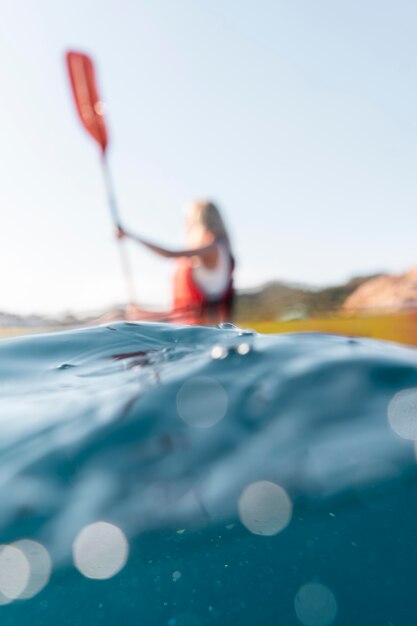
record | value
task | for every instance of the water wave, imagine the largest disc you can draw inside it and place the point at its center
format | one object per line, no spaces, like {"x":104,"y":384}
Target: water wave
{"x":186,"y":476}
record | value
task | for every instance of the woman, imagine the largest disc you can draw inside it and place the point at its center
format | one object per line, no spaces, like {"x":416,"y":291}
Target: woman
{"x":203,"y":277}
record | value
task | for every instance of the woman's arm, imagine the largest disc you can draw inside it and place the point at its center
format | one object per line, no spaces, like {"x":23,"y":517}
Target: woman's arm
{"x":165,"y":252}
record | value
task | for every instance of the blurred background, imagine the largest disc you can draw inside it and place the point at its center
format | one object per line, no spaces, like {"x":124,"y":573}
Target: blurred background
{"x":297,"y":118}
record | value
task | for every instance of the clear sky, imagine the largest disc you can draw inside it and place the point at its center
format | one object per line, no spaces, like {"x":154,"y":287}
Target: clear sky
{"x":298,"y":117}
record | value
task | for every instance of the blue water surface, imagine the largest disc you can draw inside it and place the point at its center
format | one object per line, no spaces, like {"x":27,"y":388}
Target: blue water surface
{"x":266,"y":480}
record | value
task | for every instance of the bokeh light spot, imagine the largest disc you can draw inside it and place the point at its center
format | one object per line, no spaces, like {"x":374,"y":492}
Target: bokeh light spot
{"x":4,"y":600}
{"x":202,"y":402}
{"x":40,"y":566}
{"x":100,"y":550}
{"x":315,"y":605}
{"x":402,"y":413}
{"x":14,"y":572}
{"x":264,"y":508}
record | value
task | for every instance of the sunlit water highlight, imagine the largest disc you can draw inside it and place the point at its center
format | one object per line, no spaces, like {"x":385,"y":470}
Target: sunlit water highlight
{"x":177,"y":476}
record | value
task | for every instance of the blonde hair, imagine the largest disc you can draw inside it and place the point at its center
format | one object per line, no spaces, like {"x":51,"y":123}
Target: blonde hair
{"x":203,"y":216}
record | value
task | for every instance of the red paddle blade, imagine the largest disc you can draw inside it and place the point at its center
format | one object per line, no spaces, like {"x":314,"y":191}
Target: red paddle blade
{"x":84,"y":88}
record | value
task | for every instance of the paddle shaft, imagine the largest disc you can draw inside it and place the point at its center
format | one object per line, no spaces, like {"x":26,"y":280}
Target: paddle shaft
{"x":127,"y":271}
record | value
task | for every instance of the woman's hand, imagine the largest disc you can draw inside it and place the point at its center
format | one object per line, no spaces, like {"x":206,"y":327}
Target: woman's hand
{"x":120,"y":233}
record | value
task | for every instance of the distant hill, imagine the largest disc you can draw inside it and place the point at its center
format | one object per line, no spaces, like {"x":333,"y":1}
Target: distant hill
{"x":387,"y":291}
{"x":280,"y":300}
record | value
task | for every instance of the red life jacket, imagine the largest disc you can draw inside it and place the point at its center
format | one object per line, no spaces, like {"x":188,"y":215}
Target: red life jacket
{"x":191,"y":304}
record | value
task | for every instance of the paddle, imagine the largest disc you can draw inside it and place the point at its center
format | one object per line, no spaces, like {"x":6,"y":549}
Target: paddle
{"x":90,"y":110}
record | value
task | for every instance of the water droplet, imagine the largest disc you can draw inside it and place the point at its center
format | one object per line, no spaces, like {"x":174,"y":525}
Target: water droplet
{"x":219,"y":352}
{"x":99,"y":108}
{"x":243,"y":348}
{"x":227,"y":326}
